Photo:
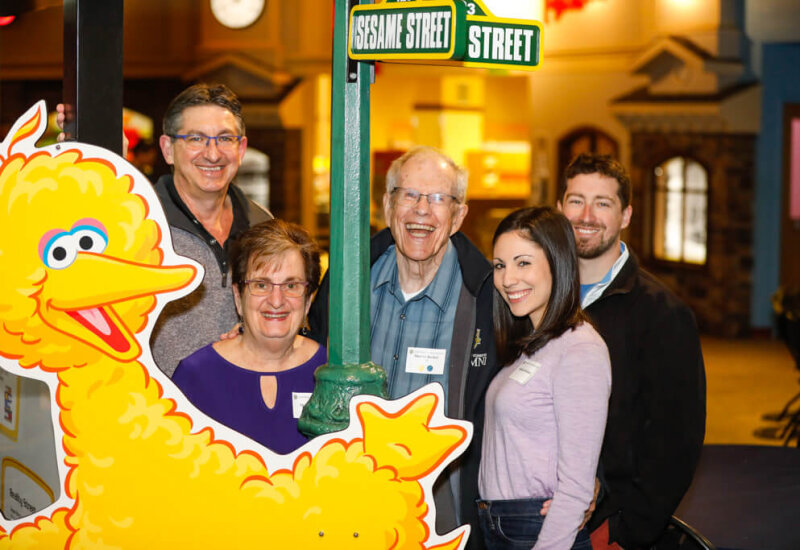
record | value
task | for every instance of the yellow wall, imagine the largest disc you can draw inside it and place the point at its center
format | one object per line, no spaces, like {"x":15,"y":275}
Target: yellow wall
{"x":587,"y":59}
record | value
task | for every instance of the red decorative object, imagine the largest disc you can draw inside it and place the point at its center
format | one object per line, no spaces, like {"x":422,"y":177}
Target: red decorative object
{"x":6,"y":20}
{"x":560,"y":6}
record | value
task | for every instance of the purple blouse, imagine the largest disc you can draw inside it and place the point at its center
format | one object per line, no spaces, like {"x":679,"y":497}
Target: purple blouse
{"x":232,"y":395}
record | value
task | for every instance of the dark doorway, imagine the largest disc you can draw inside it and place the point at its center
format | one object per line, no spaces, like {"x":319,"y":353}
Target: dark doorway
{"x":790,"y":217}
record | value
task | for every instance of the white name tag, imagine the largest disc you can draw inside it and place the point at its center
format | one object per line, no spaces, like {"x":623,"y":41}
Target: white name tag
{"x":425,"y":360}
{"x":525,"y":371}
{"x":299,"y":400}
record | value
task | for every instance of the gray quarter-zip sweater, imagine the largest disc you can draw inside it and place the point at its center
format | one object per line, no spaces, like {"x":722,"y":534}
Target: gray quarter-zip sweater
{"x":196,"y":320}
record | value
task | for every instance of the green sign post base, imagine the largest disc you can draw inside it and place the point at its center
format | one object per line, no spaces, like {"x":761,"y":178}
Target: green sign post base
{"x":327,"y":410}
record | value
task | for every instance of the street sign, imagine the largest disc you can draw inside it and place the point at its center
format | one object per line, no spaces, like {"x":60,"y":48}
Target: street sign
{"x":461,"y":31}
{"x":494,"y":42}
{"x":430,"y":29}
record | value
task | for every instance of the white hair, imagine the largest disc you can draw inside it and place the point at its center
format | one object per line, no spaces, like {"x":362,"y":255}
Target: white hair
{"x":393,"y":175}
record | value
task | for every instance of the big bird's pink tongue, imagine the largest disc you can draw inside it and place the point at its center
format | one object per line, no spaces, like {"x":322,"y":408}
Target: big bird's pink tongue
{"x":97,"y":320}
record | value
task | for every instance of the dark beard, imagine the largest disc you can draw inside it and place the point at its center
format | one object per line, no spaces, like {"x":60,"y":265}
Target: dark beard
{"x":589,"y":253}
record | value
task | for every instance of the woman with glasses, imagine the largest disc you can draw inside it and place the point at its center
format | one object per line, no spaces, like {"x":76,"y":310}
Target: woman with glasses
{"x":258,"y":382}
{"x":546,"y":409}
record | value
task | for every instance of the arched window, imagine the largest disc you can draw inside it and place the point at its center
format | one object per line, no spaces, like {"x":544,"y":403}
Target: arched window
{"x":584,"y":139}
{"x":680,"y":217}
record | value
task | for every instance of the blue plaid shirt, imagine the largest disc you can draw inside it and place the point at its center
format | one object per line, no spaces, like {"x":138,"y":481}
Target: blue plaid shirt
{"x":424,"y":321}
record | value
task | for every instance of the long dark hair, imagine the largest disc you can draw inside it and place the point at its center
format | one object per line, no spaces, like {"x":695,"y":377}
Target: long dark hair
{"x":549,"y":229}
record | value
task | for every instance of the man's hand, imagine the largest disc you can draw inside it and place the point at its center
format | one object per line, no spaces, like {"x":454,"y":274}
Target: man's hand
{"x":61,"y":117}
{"x":592,"y":505}
{"x":236,"y":331}
{"x":587,"y":514}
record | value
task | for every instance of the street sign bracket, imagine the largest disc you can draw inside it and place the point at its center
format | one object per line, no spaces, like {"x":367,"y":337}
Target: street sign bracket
{"x":352,"y":64}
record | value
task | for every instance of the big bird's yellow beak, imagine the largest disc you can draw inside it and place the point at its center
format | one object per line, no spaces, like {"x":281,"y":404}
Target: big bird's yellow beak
{"x":80,"y":300}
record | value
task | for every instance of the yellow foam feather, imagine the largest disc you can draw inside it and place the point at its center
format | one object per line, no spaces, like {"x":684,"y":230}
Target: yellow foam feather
{"x":405,"y":440}
{"x":43,"y":534}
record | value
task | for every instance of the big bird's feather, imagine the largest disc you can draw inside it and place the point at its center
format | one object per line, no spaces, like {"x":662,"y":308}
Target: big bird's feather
{"x":86,"y":263}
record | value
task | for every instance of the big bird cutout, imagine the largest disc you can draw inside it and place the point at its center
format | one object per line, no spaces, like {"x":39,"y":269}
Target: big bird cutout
{"x":86,"y":265}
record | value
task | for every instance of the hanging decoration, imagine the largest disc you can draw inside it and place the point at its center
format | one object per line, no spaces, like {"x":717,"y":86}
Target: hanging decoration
{"x":560,"y":6}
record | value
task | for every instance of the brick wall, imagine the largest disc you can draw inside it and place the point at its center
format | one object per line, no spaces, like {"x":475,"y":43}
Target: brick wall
{"x":718,"y":292}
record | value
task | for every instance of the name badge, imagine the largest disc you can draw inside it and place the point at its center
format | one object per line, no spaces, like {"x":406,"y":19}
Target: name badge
{"x":525,"y":371}
{"x":425,"y":360}
{"x":299,"y":400}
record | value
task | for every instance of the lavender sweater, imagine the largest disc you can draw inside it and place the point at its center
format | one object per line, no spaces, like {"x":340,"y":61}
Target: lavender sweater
{"x":542,"y":435}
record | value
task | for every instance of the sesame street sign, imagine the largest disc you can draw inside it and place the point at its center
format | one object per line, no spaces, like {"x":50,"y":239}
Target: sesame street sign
{"x":410,"y":30}
{"x":445,"y":30}
{"x":494,"y":41}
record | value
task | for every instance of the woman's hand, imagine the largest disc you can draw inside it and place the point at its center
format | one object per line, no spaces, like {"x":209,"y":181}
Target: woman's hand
{"x":587,"y":514}
{"x":236,"y":331}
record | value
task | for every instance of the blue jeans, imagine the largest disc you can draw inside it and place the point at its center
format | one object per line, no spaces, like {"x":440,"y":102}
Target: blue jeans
{"x":515,"y":524}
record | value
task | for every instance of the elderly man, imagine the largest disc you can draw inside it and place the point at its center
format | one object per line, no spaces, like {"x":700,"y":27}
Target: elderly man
{"x":204,"y":140}
{"x":431,"y":298}
{"x":656,"y":419}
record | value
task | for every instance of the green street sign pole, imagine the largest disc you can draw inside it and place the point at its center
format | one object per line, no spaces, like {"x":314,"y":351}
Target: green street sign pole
{"x":443,"y":30}
{"x":349,"y":371}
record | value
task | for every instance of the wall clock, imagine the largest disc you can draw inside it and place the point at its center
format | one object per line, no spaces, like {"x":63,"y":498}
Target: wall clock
{"x":237,"y":14}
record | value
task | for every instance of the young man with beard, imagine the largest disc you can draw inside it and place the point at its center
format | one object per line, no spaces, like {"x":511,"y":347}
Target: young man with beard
{"x":656,"y":421}
{"x":431,"y":295}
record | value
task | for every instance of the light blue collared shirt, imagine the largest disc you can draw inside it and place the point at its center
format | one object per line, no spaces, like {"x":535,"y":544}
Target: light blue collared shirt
{"x":423,"y":321}
{"x":591,"y":292}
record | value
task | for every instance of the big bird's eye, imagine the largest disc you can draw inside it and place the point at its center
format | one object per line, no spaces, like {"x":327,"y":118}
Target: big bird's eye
{"x":60,"y":252}
{"x":62,"y":249}
{"x":90,"y":239}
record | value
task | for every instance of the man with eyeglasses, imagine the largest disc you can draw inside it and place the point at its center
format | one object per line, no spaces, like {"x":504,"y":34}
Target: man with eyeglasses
{"x":204,"y":141}
{"x":430,"y":309}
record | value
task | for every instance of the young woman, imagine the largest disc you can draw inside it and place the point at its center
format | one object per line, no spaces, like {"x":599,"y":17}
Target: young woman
{"x":546,"y":409}
{"x":258,"y":382}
